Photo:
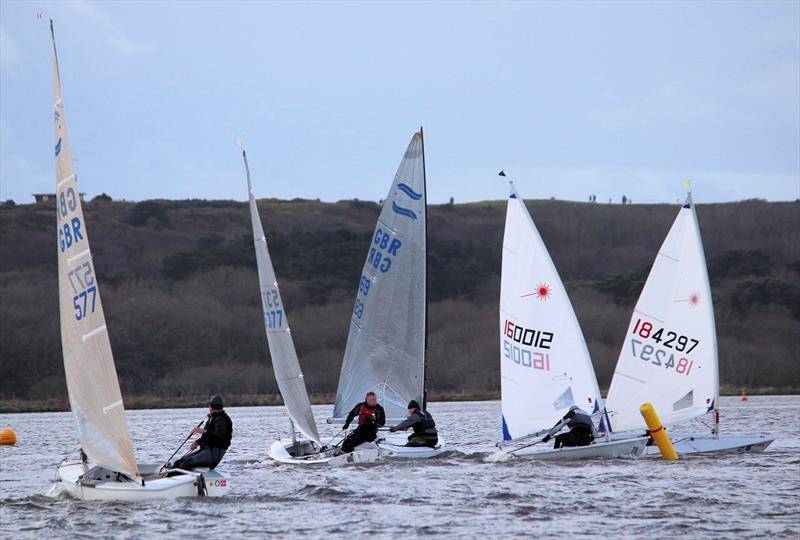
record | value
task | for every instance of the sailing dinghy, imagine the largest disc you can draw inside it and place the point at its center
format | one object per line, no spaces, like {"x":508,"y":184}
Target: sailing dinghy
{"x":387,"y":343}
{"x":545,"y":365}
{"x":669,"y":356}
{"x":109,"y":470}
{"x":305,"y":447}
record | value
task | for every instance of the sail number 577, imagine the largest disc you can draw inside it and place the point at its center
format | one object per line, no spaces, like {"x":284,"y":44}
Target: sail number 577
{"x":81,"y":279}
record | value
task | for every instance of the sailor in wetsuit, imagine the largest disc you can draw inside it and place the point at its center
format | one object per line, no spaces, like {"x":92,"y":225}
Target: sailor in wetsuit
{"x":371,"y":416}
{"x":581,"y":432}
{"x":422,"y":423}
{"x":214,"y":441}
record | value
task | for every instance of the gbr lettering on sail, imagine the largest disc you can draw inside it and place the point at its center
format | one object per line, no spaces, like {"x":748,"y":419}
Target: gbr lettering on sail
{"x":81,"y":276}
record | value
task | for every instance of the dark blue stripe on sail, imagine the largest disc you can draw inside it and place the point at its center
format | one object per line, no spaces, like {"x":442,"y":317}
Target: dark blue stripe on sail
{"x":603,"y":418}
{"x":403,"y":211}
{"x":506,"y":434}
{"x":58,"y":146}
{"x":687,"y":205}
{"x":513,"y":196}
{"x":405,"y":188}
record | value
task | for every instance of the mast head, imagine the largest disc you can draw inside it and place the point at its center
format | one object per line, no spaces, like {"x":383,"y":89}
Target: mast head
{"x":687,"y":184}
{"x":511,"y":187}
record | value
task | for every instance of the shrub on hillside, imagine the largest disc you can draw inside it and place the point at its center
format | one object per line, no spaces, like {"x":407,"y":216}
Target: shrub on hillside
{"x":625,"y":287}
{"x":742,"y":262}
{"x":143,"y":212}
{"x":762,"y":292}
{"x":103,"y":197}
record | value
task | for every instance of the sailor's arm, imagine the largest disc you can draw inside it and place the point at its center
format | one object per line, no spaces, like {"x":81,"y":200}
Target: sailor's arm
{"x":407,"y":423}
{"x":352,"y":414}
{"x":556,"y":428}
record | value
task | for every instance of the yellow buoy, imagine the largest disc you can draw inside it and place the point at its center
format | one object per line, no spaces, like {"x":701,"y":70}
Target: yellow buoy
{"x":7,"y":436}
{"x":657,"y":432}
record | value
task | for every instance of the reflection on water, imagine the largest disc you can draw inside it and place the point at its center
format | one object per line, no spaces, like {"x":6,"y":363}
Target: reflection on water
{"x":461,"y":495}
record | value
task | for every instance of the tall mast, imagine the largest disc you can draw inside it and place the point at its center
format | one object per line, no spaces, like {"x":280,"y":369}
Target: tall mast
{"x":425,"y":353}
{"x":55,"y":53}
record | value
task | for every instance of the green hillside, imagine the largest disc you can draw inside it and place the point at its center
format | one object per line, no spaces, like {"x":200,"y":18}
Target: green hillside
{"x":181,"y":298}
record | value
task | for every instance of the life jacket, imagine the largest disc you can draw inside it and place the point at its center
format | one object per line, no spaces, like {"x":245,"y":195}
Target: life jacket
{"x":581,"y":422}
{"x":426,"y":426}
{"x":366,"y":414}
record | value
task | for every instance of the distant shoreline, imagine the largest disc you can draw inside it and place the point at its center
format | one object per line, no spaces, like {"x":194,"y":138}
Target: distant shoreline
{"x":11,"y":406}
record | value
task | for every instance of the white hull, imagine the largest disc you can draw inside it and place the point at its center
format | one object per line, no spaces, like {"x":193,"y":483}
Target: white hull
{"x":281,"y":451}
{"x":394,"y":447}
{"x":703,"y":443}
{"x":633,"y":447}
{"x":184,"y":485}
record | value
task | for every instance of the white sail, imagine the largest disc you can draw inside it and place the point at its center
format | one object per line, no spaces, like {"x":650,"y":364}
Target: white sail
{"x":545,"y":365}
{"x":279,"y":336}
{"x":92,"y":383}
{"x":669,"y":356}
{"x":386,"y":346}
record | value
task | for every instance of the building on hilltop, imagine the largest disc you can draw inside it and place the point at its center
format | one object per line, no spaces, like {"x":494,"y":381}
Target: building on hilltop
{"x":44,"y":198}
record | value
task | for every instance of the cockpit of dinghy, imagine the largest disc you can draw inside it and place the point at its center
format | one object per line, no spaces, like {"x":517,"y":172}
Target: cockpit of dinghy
{"x":302,"y":449}
{"x":97,"y":475}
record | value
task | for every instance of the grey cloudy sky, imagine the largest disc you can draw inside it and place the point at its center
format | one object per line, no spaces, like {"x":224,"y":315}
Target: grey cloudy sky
{"x":570,"y":98}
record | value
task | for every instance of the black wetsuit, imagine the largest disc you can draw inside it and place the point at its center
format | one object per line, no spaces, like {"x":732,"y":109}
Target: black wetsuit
{"x":212,"y":444}
{"x":424,"y":427}
{"x":581,"y":432}
{"x":369,"y":420}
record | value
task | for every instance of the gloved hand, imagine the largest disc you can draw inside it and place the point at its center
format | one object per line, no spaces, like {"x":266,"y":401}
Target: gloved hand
{"x":344,"y":427}
{"x":546,"y":438}
{"x":391,"y":429}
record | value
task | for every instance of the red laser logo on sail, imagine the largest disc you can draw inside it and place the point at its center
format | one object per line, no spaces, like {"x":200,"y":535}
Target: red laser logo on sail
{"x":542,"y":292}
{"x":694,"y":299}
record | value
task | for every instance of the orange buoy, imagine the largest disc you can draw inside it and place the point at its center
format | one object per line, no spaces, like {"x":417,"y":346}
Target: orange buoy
{"x":7,"y":436}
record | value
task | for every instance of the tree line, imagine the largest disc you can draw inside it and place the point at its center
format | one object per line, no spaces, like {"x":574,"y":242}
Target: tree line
{"x":181,"y":296}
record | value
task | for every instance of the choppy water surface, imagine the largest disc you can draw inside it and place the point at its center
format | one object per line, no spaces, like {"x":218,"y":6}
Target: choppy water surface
{"x":461,"y":495}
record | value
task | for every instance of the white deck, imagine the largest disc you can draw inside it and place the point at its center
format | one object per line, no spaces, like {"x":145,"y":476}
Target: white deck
{"x":631,"y":447}
{"x":185,"y":485}
{"x":704,"y":443}
{"x":280,"y":452}
{"x":393,"y":446}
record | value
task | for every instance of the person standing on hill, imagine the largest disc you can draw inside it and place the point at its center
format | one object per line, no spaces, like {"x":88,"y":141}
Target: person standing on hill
{"x":422,"y":423}
{"x":371,"y":416}
{"x":215,"y":439}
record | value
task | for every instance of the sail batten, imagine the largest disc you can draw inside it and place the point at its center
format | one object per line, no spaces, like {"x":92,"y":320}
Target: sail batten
{"x":385,"y":350}
{"x":92,"y":384}
{"x":669,"y":355}
{"x":545,"y":365}
{"x":285,"y":363}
